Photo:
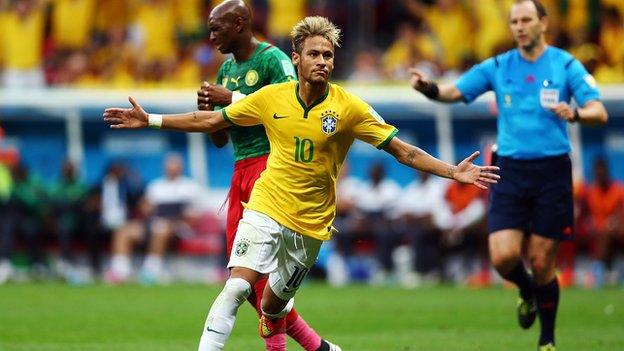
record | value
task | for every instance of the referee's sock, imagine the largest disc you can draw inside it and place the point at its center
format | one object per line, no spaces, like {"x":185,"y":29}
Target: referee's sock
{"x":519,"y":276}
{"x":547,"y":297}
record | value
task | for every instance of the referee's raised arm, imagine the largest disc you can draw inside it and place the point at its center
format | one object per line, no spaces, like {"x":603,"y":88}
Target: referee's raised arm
{"x":433,"y":90}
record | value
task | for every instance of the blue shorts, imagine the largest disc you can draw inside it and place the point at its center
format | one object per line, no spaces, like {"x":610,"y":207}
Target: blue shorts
{"x":534,"y":196}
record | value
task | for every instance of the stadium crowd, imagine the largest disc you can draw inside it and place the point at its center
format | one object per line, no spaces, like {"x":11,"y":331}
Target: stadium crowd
{"x":163,"y":43}
{"x":427,"y":232}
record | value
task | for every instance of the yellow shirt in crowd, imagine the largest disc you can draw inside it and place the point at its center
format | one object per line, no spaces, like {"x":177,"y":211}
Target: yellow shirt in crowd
{"x":493,"y":30}
{"x":188,"y":13}
{"x":156,"y":20}
{"x":283,"y":15}
{"x":453,"y":29}
{"x":72,"y":22}
{"x":22,"y":39}
{"x":308,"y":147}
{"x":113,"y":13}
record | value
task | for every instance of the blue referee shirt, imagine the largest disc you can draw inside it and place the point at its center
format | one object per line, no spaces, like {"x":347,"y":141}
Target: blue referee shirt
{"x":524,"y":92}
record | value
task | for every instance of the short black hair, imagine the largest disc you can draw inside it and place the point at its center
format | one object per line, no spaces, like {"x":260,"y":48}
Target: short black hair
{"x":541,"y":10}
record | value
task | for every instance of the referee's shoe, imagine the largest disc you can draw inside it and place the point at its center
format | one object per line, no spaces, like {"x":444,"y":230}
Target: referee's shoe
{"x":527,"y":311}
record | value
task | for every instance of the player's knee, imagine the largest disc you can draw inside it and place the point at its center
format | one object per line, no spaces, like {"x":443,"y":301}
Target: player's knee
{"x":504,"y":260}
{"x":543,"y":269}
{"x":275,"y":309}
{"x":237,"y":289}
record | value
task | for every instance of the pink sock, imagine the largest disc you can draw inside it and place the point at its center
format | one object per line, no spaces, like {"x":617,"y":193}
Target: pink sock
{"x":275,"y":342}
{"x":301,"y":332}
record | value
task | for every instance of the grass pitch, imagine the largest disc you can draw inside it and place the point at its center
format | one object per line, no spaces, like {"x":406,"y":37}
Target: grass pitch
{"x":47,"y":317}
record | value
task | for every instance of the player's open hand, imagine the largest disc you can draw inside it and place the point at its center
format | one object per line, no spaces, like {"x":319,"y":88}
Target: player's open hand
{"x":210,"y":95}
{"x":469,"y":173}
{"x":418,"y":80}
{"x":126,"y":118}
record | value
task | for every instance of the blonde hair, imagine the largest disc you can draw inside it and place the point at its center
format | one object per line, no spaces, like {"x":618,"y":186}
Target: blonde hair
{"x":314,"y":26}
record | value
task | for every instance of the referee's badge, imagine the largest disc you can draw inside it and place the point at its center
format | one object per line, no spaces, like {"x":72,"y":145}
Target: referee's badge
{"x":242,"y":246}
{"x":329,"y":122}
{"x":507,"y":100}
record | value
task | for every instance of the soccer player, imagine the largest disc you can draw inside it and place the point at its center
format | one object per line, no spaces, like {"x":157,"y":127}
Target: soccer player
{"x":254,"y":65}
{"x":310,"y":125}
{"x":533,"y":84}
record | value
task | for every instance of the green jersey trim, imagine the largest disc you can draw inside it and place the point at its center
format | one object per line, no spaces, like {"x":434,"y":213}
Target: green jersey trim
{"x":225,"y":117}
{"x":307,"y":109}
{"x":385,"y":142}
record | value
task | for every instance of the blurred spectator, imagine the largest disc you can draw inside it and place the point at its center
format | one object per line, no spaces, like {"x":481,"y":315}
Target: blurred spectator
{"x":282,"y":16}
{"x":113,"y":14}
{"x":492,"y":26}
{"x":366,"y":69}
{"x":106,"y":209}
{"x":465,"y":230}
{"x":115,"y":59}
{"x":417,"y":211}
{"x":374,"y":201}
{"x":72,"y":24}
{"x":67,"y":198}
{"x":25,"y":211}
{"x":189,"y":17}
{"x":156,"y":43}
{"x":605,"y":72}
{"x":450,"y":23}
{"x":22,"y":28}
{"x":618,"y":4}
{"x":168,"y":202}
{"x":604,"y":199}
{"x":611,"y":34}
{"x":575,"y":15}
{"x":6,"y":185}
{"x":338,"y":273}
{"x":410,"y":46}
{"x":153,"y":35}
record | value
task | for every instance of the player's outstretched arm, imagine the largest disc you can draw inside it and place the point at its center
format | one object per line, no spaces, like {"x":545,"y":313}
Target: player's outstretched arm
{"x":432,"y":90}
{"x":136,"y":118}
{"x":465,"y":172}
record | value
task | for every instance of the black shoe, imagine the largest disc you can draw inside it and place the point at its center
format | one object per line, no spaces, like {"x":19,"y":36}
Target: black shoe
{"x":527,"y":311}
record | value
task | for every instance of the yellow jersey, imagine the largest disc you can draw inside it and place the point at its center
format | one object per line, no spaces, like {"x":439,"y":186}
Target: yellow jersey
{"x":72,"y":22}
{"x":22,"y":39}
{"x":308,"y":146}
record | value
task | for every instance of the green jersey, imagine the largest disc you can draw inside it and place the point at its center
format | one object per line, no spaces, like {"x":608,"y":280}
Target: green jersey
{"x":267,"y":65}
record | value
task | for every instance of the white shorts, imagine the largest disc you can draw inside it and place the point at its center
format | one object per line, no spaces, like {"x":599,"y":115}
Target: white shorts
{"x":265,"y":246}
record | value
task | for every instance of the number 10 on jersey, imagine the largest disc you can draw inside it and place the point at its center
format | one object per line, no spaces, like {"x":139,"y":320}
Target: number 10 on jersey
{"x":304,"y":150}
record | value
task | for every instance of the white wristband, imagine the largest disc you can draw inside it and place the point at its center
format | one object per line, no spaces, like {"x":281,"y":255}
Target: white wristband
{"x":237,"y":96}
{"x":154,"y":120}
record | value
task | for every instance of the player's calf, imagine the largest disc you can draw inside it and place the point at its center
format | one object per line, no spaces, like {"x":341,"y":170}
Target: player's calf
{"x":272,"y":323}
{"x":222,"y":315}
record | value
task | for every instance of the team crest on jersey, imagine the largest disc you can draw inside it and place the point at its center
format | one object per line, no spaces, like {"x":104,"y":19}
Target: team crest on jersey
{"x":329,"y":122}
{"x":242,"y":246}
{"x":251,"y":78}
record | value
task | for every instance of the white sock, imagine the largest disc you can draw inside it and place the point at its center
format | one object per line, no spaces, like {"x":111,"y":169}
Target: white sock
{"x":153,"y":264}
{"x":120,"y":265}
{"x":222,"y":315}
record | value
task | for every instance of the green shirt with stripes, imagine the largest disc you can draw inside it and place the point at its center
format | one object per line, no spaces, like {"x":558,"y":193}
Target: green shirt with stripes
{"x":267,"y":65}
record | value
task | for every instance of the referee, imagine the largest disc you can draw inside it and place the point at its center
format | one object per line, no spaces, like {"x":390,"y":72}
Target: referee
{"x":534,"y":84}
